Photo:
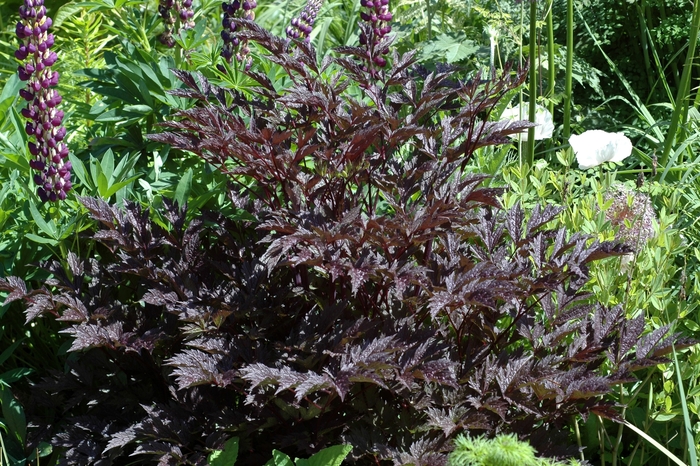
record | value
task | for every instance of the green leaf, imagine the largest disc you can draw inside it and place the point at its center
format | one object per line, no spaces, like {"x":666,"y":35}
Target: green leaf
{"x":14,"y":415}
{"x":107,"y":164}
{"x":8,"y":352}
{"x":67,"y":11}
{"x":117,"y":186}
{"x":48,"y":228}
{"x":183,"y":187}
{"x":79,"y":170}
{"x":9,"y":94}
{"x":279,"y":459}
{"x":13,"y":375}
{"x":331,"y":456}
{"x":115,"y":114}
{"x":140,"y":108}
{"x":42,"y":450}
{"x":454,"y":47}
{"x":102,"y":185}
{"x":227,"y":456}
{"x":18,"y":123}
{"x":40,"y":239}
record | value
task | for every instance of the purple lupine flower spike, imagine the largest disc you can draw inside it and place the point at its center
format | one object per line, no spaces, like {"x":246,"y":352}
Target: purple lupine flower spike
{"x":179,"y":20}
{"x":377,"y":17}
{"x":49,"y":152}
{"x":233,"y":45}
{"x":301,"y":26}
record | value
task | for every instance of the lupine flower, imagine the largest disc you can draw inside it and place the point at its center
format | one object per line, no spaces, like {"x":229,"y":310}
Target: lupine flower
{"x":543,"y":120}
{"x":595,"y":147}
{"x":181,"y":20}
{"x":377,"y":17}
{"x":233,"y":45}
{"x":48,"y":150}
{"x":301,"y":27}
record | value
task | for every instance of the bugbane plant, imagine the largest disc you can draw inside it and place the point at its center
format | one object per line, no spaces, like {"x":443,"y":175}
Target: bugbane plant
{"x":48,"y":150}
{"x":363,"y":290}
{"x":177,"y":17}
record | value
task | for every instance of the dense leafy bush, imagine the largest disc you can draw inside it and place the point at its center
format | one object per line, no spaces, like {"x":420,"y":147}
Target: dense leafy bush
{"x":366,"y":291}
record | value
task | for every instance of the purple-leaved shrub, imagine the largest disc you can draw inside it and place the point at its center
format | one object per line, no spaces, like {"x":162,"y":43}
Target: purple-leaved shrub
{"x":364,"y":289}
{"x":48,"y":150}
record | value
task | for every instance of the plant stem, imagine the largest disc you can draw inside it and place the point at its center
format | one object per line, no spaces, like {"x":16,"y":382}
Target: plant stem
{"x":578,"y":440}
{"x":552,"y":70}
{"x":430,"y":19}
{"x":684,"y":87}
{"x":644,"y":42}
{"x":532,"y":98}
{"x":569,"y":66}
{"x":669,"y":47}
{"x":601,"y":440}
{"x":618,"y":439}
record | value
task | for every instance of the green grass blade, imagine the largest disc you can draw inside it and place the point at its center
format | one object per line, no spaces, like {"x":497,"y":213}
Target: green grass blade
{"x":660,"y":447}
{"x":686,"y":416}
{"x":639,"y":105}
{"x":683,"y":96}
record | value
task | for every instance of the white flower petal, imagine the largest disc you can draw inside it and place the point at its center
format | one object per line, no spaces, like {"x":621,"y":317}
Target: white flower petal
{"x":596,"y":146}
{"x":543,"y":120}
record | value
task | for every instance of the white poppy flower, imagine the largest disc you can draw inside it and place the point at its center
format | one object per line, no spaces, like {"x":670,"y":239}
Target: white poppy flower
{"x":595,"y":146}
{"x":543,"y":120}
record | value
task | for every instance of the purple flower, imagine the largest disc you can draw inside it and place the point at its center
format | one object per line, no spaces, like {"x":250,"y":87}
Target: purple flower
{"x":376,"y":17}
{"x":179,"y":21}
{"x":233,"y":45}
{"x":48,"y":150}
{"x":301,"y":27}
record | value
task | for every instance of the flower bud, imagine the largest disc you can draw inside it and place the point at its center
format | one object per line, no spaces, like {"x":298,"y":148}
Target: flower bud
{"x":21,"y":53}
{"x":60,"y":133}
{"x":42,"y":194}
{"x":50,"y":59}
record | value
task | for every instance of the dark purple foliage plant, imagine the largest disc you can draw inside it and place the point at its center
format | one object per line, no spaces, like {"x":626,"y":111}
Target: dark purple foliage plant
{"x":367,"y":291}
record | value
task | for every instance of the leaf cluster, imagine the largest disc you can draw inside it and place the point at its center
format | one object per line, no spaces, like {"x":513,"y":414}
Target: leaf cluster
{"x":368,"y":291}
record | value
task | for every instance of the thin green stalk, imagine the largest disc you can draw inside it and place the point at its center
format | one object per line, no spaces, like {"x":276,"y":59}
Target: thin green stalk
{"x":4,"y":452}
{"x":569,"y":66}
{"x":578,"y":440}
{"x":669,"y":47}
{"x":644,"y":43}
{"x":430,"y":19}
{"x":601,"y":440}
{"x":686,"y":417}
{"x":529,"y":155}
{"x":683,"y":95}
{"x":552,"y":69}
{"x":618,"y":437}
